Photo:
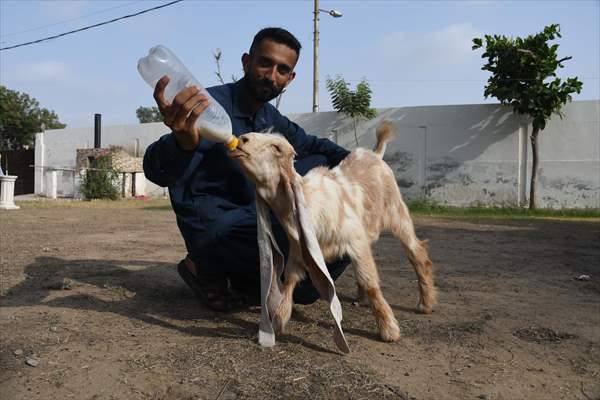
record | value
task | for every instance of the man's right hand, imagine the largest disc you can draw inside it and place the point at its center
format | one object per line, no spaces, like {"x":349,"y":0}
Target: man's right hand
{"x":181,"y":115}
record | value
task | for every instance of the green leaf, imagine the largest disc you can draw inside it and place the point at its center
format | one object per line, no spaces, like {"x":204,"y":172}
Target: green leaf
{"x":148,"y":114}
{"x":354,"y":103}
{"x":521,"y":68}
{"x":21,"y":118}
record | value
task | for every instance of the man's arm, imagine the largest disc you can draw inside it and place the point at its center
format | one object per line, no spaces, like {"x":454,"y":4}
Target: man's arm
{"x":165,"y":162}
{"x":308,"y":144}
{"x":167,"y":159}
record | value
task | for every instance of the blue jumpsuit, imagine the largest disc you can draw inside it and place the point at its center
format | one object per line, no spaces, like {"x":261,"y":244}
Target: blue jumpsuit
{"x":214,"y":202}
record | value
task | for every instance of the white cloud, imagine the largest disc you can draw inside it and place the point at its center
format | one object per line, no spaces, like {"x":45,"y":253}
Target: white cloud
{"x":419,"y":68}
{"x":481,"y":2}
{"x":448,"y":46}
{"x":58,"y":11}
{"x":42,"y":72}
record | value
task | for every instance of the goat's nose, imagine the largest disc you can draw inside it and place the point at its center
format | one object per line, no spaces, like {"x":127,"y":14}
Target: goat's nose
{"x":244,"y":139}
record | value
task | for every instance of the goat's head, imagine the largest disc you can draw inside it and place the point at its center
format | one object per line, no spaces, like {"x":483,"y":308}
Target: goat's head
{"x":266,"y":159}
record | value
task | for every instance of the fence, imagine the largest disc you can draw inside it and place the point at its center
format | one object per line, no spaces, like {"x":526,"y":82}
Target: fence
{"x":17,"y":162}
{"x":66,"y":182}
{"x":458,"y":155}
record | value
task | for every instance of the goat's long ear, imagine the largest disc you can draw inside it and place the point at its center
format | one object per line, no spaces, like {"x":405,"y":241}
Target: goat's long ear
{"x":271,"y":268}
{"x":288,"y":177}
{"x":315,"y":263}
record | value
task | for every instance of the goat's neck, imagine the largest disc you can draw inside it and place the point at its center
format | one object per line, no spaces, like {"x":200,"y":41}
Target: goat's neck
{"x":282,"y":203}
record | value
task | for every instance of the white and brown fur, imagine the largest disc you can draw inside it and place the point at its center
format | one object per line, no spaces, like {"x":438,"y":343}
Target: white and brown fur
{"x":349,"y":206}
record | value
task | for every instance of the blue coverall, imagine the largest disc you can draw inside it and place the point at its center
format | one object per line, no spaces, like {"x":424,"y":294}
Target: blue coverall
{"x":214,"y":202}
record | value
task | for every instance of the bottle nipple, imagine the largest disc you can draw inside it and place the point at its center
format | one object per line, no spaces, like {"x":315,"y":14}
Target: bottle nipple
{"x":232,"y":143}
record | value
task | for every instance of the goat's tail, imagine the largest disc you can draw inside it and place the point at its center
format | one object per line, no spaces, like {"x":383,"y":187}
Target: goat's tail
{"x":384,"y":133}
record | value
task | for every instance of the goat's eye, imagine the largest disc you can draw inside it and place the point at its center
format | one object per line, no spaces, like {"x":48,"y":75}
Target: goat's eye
{"x":277,"y":148}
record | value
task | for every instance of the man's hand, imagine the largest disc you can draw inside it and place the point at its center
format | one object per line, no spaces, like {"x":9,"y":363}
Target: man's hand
{"x":181,"y":115}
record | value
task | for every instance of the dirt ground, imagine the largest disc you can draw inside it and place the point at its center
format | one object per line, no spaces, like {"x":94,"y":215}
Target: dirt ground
{"x":92,"y":308}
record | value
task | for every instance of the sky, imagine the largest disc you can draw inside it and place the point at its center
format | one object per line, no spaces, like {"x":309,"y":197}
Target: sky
{"x":412,"y":53}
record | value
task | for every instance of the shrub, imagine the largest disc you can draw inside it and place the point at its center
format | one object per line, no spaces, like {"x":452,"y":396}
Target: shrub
{"x":101,"y":181}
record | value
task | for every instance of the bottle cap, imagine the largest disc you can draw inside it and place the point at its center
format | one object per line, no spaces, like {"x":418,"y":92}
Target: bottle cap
{"x":232,"y":144}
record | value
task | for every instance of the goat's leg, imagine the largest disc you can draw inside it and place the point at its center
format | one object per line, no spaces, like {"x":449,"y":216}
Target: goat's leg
{"x":416,"y":250}
{"x":368,"y":281}
{"x":294,"y":273}
{"x":362,"y":298}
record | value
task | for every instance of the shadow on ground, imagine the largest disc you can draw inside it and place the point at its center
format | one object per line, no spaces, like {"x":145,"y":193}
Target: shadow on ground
{"x":150,"y":292}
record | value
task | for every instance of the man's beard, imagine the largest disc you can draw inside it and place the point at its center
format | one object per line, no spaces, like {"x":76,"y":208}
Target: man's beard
{"x":261,"y":89}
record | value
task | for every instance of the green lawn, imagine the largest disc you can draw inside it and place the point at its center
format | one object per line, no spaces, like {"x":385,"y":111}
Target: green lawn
{"x":428,"y":209}
{"x":153,"y":203}
{"x":416,"y":209}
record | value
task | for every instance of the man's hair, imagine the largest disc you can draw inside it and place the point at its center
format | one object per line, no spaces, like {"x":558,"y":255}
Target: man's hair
{"x":278,"y":35}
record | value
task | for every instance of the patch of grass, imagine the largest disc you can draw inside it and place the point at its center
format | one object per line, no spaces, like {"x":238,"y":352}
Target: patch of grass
{"x":159,"y":207}
{"x":146,"y":203}
{"x":419,"y":208}
{"x":426,"y":208}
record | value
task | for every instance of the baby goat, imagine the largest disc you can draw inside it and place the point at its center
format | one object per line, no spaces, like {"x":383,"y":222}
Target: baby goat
{"x":349,"y":206}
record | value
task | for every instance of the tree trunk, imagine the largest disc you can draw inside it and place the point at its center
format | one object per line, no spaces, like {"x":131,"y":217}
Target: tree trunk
{"x":355,"y":135}
{"x":534,"y":168}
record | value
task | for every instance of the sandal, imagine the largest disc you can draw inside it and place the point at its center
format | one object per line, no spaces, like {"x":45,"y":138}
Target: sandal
{"x":212,"y":291}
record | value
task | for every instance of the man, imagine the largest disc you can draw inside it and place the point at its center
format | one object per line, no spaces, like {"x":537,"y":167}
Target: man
{"x":213,"y":201}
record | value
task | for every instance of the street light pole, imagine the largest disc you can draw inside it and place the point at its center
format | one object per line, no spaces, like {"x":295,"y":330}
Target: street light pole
{"x":315,"y":106}
{"x":335,"y":14}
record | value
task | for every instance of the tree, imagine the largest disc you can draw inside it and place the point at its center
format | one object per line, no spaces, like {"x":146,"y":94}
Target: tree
{"x":101,"y":180}
{"x":21,"y":118}
{"x":148,"y":114}
{"x":218,"y":54}
{"x":524,"y":77}
{"x":354,"y":103}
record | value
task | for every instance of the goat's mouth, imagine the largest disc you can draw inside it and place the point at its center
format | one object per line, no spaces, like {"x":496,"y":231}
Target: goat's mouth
{"x":238,"y":153}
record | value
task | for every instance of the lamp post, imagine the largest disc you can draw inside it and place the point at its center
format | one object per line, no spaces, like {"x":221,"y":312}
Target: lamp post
{"x":335,"y":14}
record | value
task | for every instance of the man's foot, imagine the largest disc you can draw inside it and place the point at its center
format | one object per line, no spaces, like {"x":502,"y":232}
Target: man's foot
{"x":213,"y":291}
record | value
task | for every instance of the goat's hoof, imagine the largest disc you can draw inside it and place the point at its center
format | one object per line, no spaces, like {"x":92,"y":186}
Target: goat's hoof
{"x":279,"y":326}
{"x":423,"y":309}
{"x":390,"y":332}
{"x":282,"y":316}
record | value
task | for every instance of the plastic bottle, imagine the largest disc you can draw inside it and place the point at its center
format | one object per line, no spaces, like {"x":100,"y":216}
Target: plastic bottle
{"x":214,"y":123}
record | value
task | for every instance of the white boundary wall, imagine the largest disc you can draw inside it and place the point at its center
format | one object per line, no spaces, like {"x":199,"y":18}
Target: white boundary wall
{"x":56,"y":150}
{"x":457,"y":155}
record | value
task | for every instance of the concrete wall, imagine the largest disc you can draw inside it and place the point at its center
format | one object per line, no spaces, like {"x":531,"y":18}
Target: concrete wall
{"x":481,"y":154}
{"x":457,"y":155}
{"x":57,"y":149}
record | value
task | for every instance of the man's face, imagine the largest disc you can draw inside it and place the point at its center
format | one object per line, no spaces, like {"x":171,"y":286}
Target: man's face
{"x":269,"y":69}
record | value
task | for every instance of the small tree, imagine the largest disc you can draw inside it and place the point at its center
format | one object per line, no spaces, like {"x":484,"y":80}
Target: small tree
{"x":148,"y":114}
{"x":100,"y":181}
{"x":354,"y":103}
{"x":524,"y":77}
{"x":21,"y":118}
{"x":218,"y":54}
